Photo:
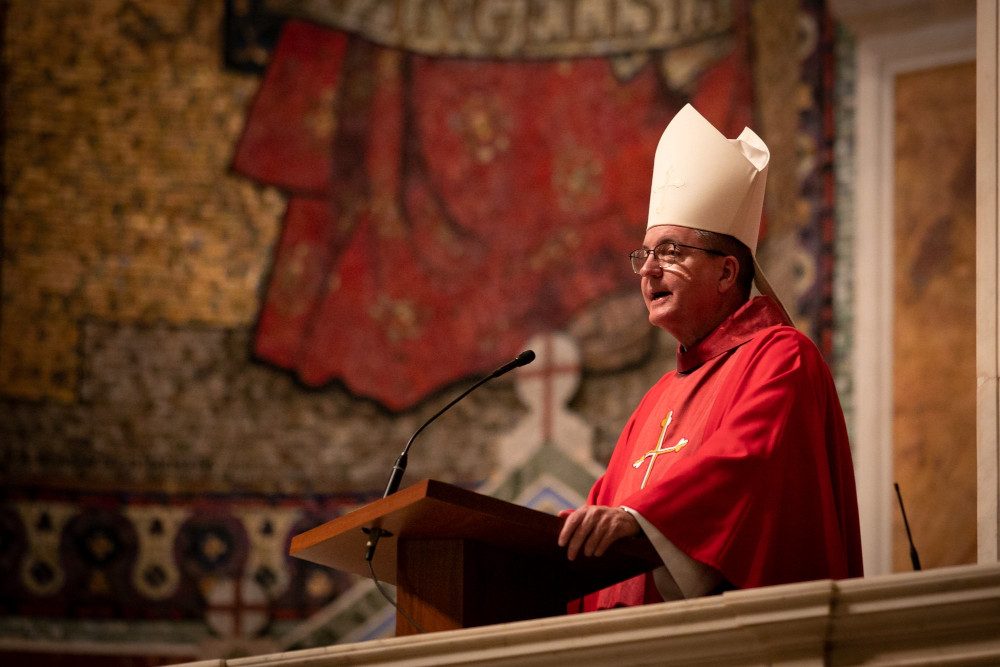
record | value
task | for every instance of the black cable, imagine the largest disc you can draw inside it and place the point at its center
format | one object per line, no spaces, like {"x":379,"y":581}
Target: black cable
{"x":402,"y":611}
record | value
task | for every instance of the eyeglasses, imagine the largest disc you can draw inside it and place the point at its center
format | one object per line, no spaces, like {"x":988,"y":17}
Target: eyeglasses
{"x":665,"y":254}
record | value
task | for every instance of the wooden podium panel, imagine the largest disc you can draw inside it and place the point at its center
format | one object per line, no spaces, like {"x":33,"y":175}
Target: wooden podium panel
{"x":461,"y":559}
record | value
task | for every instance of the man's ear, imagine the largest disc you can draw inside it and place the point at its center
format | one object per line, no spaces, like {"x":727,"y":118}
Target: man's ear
{"x":729,"y":274}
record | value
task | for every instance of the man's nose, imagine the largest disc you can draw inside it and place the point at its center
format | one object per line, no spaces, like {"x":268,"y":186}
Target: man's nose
{"x":650,"y":266}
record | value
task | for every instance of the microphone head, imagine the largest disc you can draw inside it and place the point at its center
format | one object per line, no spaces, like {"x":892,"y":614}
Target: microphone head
{"x":524,"y":358}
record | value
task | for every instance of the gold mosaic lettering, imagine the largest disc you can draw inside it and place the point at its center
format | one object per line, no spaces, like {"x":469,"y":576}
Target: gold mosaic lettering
{"x":521,"y":29}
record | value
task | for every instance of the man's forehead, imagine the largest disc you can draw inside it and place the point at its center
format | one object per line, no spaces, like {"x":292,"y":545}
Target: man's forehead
{"x":663,"y":233}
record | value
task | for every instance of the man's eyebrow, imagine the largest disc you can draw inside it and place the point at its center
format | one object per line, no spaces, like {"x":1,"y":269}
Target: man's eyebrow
{"x":665,"y":239}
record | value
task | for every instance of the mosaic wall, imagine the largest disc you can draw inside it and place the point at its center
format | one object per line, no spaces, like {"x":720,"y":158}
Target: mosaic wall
{"x":153,"y":467}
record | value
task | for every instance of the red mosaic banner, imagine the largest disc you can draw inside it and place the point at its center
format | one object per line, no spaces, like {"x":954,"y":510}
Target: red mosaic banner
{"x":443,"y":210}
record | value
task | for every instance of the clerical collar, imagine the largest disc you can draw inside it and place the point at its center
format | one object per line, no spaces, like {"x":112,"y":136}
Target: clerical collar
{"x":756,"y":314}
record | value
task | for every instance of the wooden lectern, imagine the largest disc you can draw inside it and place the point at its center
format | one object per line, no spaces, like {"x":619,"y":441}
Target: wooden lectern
{"x":460,"y":559}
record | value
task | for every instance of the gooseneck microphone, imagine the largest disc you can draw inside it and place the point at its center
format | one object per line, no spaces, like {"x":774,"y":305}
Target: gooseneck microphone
{"x":399,"y":468}
{"x":396,"y":476}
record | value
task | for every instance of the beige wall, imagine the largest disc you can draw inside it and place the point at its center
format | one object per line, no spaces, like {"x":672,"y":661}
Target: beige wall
{"x":934,"y":335}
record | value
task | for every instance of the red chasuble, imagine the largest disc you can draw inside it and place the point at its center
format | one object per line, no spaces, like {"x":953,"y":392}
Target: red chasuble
{"x":740,"y":457}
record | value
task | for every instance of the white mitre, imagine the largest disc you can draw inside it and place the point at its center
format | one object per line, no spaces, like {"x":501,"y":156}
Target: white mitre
{"x":703,"y":180}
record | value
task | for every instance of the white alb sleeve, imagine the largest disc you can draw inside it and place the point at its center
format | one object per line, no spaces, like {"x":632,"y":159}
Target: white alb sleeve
{"x":682,"y":576}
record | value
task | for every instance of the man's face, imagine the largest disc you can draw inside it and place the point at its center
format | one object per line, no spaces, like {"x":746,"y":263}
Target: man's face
{"x":683,"y":298}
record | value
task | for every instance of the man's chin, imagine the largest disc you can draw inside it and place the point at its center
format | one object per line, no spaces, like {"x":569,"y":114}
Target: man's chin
{"x":660,"y":320}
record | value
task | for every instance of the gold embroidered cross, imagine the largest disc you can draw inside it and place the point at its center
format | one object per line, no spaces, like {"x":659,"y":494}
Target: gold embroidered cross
{"x":653,"y":453}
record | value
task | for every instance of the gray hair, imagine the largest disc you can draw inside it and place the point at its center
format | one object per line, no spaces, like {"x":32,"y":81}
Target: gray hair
{"x":730,"y":246}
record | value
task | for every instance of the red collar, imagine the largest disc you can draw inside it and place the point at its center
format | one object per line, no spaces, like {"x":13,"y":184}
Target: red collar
{"x":752,"y":317}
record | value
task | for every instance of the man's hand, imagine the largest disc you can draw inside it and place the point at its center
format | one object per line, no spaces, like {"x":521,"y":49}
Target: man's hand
{"x":594,"y":528}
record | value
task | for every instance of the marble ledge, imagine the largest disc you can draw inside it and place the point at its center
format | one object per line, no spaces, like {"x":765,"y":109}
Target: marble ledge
{"x":936,"y":617}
